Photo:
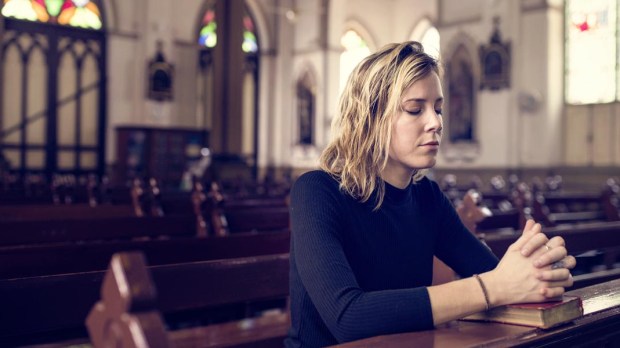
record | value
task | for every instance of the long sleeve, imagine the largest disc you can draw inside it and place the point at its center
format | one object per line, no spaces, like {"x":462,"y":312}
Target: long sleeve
{"x":456,"y":245}
{"x":349,"y":312}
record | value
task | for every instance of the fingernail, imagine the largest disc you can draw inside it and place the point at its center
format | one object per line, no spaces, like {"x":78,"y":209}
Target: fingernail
{"x":537,"y":263}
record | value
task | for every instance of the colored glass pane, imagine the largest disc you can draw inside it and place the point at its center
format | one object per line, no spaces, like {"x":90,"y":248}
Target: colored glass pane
{"x":54,"y":6}
{"x":591,"y":51}
{"x":249,"y":44}
{"x":80,"y":13}
{"x":208,"y":32}
{"x":76,"y":13}
{"x":29,"y":10}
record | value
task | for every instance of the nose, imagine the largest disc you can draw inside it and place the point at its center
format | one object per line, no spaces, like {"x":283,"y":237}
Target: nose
{"x":434,"y":123}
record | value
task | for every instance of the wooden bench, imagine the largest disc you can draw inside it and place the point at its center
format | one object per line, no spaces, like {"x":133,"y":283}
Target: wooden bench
{"x":131,"y":302}
{"x":40,"y":260}
{"x":579,"y":238}
{"x":59,"y":231}
{"x":598,"y":327}
{"x":64,"y":212}
{"x":250,"y":219}
{"x":53,"y":308}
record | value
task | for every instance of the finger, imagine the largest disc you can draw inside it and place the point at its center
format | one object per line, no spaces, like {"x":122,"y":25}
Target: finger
{"x":536,"y":241}
{"x":556,"y":242}
{"x":552,"y":292}
{"x":570,"y":262}
{"x":561,"y":283}
{"x":554,"y":275}
{"x":551,"y":256}
{"x":529,"y":230}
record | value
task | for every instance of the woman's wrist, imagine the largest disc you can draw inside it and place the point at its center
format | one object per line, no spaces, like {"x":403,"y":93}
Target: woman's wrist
{"x":491,"y":288}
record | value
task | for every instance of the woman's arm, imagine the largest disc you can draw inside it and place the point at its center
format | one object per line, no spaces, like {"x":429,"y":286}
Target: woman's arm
{"x":524,"y":274}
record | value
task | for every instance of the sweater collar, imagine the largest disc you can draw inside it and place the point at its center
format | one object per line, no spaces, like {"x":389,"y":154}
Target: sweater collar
{"x":396,"y":195}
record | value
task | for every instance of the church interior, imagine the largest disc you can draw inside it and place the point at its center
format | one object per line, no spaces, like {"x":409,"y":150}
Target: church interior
{"x":147,"y":149}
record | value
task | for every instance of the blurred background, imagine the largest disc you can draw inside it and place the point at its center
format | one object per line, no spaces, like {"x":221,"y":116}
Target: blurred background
{"x":145,"y":88}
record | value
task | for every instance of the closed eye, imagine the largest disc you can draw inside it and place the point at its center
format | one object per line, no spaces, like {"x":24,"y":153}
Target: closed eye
{"x":414,"y":112}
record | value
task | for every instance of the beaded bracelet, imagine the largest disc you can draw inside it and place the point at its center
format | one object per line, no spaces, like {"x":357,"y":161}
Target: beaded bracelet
{"x":484,"y":291}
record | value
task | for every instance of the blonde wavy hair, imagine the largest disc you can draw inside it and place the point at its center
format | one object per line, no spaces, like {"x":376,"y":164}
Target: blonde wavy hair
{"x":362,"y":129}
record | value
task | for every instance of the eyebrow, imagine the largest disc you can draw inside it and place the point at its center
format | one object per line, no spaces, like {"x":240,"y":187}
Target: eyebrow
{"x":422,"y":100}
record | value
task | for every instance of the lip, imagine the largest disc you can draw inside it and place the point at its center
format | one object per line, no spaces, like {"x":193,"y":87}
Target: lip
{"x":431,"y":143}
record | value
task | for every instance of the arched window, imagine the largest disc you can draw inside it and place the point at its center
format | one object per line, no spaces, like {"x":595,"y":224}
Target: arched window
{"x":53,"y":94}
{"x":428,"y":36}
{"x":591,"y":51}
{"x":355,"y":49}
{"x":228,"y":82}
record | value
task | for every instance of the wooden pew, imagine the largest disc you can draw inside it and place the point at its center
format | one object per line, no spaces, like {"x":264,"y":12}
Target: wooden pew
{"x":64,"y":212}
{"x":129,"y":302}
{"x":580,"y":238}
{"x":250,"y":219}
{"x":53,"y":308}
{"x":598,"y":327}
{"x":59,"y":231}
{"x":40,"y":260}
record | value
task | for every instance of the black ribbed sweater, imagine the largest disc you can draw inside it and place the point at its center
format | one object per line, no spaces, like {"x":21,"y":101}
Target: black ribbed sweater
{"x":356,"y":273}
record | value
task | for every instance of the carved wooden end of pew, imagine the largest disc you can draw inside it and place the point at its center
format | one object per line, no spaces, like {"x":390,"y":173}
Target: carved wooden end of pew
{"x":471,"y":212}
{"x":125,"y":316}
{"x":199,"y":199}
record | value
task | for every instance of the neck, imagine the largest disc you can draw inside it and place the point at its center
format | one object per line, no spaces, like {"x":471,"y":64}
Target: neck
{"x":400,"y":181}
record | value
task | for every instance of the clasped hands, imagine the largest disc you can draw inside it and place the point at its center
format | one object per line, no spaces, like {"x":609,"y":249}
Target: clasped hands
{"x":534,"y":269}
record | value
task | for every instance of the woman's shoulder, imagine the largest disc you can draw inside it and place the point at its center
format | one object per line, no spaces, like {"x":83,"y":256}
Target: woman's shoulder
{"x":316,"y":177}
{"x":317,"y":181}
{"x":315,"y":184}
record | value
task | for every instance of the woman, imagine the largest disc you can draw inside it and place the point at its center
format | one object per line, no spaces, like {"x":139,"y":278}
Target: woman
{"x":365,"y":228}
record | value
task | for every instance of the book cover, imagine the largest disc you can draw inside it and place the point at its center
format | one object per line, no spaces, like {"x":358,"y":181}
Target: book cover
{"x":543,"y":315}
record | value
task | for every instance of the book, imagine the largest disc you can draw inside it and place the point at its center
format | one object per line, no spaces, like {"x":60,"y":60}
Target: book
{"x":543,"y":315}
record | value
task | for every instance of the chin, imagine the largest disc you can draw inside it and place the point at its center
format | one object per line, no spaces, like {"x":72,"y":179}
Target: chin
{"x":423,"y":164}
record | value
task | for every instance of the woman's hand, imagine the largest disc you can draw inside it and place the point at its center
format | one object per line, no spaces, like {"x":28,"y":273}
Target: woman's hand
{"x":534,"y":269}
{"x":553,"y":262}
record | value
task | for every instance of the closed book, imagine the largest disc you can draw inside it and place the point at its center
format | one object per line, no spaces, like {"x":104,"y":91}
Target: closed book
{"x":543,"y":315}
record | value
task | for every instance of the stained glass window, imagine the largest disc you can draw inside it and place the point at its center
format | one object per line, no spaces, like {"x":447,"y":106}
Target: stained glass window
{"x":75,"y":13}
{"x":249,"y":36}
{"x":355,"y":49}
{"x":591,"y":74}
{"x":208,"y":32}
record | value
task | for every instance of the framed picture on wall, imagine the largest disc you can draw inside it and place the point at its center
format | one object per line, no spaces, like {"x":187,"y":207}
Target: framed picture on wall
{"x":495,"y":62}
{"x":160,"y":77}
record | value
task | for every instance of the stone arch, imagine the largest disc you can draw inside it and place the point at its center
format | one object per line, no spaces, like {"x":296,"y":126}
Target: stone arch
{"x":357,"y":26}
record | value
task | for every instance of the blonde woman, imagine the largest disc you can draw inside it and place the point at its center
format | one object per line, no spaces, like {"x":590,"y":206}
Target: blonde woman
{"x":366,"y":226}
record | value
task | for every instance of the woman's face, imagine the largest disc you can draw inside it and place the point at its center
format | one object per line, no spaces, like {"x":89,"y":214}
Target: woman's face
{"x":416,"y":131}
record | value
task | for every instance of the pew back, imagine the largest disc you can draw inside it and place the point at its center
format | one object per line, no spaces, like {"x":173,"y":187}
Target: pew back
{"x":179,"y":287}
